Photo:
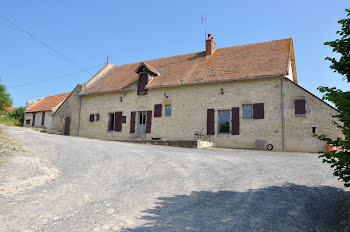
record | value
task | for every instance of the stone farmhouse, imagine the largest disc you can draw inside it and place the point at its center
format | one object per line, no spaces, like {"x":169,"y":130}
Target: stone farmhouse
{"x":233,"y":95}
{"x":39,"y":112}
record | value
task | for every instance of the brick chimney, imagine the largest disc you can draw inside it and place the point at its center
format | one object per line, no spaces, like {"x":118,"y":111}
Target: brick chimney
{"x":209,"y":45}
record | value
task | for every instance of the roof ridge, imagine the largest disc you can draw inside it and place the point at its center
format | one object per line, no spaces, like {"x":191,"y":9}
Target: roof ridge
{"x":186,"y":54}
{"x":270,"y":41}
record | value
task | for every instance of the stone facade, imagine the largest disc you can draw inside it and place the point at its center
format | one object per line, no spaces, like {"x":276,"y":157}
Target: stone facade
{"x":38,"y":119}
{"x":299,"y":134}
{"x":189,"y":113}
{"x":69,"y":108}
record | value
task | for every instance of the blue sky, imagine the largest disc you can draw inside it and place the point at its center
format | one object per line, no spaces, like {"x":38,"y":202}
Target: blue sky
{"x":87,"y":32}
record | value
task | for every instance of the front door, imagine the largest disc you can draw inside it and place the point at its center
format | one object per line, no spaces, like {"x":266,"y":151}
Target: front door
{"x":141,"y":125}
{"x":67,"y":126}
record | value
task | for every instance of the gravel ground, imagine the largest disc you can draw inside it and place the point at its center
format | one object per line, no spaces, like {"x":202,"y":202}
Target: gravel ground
{"x":114,"y":186}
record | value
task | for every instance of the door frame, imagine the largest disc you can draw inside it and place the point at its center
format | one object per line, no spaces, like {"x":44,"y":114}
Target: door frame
{"x":66,"y":126}
{"x":144,"y":119}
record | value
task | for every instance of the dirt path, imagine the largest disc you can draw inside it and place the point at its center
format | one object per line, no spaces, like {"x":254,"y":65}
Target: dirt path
{"x":112,"y":186}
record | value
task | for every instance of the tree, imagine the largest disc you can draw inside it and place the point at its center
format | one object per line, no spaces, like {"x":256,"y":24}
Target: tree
{"x":5,"y":100}
{"x":340,"y":159}
{"x":342,"y":46}
{"x":18,"y":113}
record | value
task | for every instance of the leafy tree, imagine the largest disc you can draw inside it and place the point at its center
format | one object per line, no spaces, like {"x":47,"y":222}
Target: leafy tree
{"x":342,"y":46}
{"x":18,"y":113}
{"x":340,"y":159}
{"x":5,"y":100}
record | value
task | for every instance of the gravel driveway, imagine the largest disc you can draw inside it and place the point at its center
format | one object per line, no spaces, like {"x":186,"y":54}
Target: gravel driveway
{"x":114,"y":186}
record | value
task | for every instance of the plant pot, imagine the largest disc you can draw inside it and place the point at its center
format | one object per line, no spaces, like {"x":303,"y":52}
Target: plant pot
{"x":330,"y":147}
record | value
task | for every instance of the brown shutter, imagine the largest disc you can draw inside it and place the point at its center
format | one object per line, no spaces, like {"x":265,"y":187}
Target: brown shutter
{"x":33,"y":123}
{"x":158,"y":110}
{"x":118,"y":121}
{"x":132,"y":122}
{"x":92,"y":117}
{"x":210,"y":122}
{"x":235,"y":121}
{"x":300,"y":106}
{"x":43,"y":118}
{"x":149,"y":121}
{"x":258,"y":111}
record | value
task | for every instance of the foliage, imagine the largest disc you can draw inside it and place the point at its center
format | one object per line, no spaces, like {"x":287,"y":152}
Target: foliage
{"x":342,"y":46}
{"x":5,"y":100}
{"x":18,"y":114}
{"x":9,"y":121}
{"x":340,"y":158}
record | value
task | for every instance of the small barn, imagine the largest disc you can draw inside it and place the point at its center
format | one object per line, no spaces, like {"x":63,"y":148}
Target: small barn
{"x":39,"y":111}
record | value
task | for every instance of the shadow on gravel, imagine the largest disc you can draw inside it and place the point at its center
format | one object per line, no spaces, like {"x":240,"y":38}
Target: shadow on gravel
{"x":278,"y":208}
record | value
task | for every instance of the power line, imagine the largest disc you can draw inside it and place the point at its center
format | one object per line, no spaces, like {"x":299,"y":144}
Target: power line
{"x":44,"y":44}
{"x":53,"y":78}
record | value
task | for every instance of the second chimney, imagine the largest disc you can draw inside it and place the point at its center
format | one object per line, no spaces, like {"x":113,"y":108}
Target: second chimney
{"x":209,"y":45}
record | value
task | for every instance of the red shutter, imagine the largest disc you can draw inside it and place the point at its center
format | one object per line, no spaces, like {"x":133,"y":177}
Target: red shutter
{"x":132,"y":122}
{"x":43,"y":118}
{"x":92,"y":117}
{"x":235,"y":121}
{"x":300,"y":106}
{"x":210,"y":122}
{"x":258,"y":111}
{"x":118,"y":121}
{"x":149,"y":121}
{"x":158,"y":110}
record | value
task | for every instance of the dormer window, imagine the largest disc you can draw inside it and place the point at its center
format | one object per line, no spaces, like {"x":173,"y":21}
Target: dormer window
{"x":141,"y":86}
{"x":146,"y":73}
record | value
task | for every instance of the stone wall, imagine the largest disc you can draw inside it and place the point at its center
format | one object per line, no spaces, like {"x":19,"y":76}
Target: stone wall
{"x":38,"y":118}
{"x":69,"y":108}
{"x":299,"y":134}
{"x":189,"y":114}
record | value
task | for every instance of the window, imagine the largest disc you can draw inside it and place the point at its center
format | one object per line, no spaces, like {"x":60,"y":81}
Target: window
{"x":28,"y":121}
{"x":168,"y":110}
{"x":299,"y":106}
{"x":142,"y":82}
{"x":247,"y":112}
{"x":97,"y":117}
{"x":92,"y":118}
{"x":111,"y":122}
{"x":314,"y":130}
{"x":224,"y":121}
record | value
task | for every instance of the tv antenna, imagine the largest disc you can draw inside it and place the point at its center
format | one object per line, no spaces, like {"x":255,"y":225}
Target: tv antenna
{"x":204,"y":21}
{"x":107,"y":59}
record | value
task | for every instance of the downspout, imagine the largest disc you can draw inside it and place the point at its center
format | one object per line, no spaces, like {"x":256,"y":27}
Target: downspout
{"x":79,"y":113}
{"x":79,"y":116}
{"x":282,"y":115}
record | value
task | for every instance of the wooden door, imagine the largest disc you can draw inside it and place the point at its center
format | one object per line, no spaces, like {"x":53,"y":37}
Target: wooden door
{"x":67,"y":126}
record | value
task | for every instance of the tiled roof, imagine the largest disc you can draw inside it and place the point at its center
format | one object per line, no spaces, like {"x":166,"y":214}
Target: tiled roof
{"x":47,"y":103}
{"x":245,"y":61}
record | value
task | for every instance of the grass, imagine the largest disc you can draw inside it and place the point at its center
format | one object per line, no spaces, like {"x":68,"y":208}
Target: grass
{"x":9,"y":121}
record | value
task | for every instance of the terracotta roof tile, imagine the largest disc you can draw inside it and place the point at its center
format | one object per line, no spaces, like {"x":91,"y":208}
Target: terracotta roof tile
{"x":245,"y":61}
{"x":47,"y":103}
